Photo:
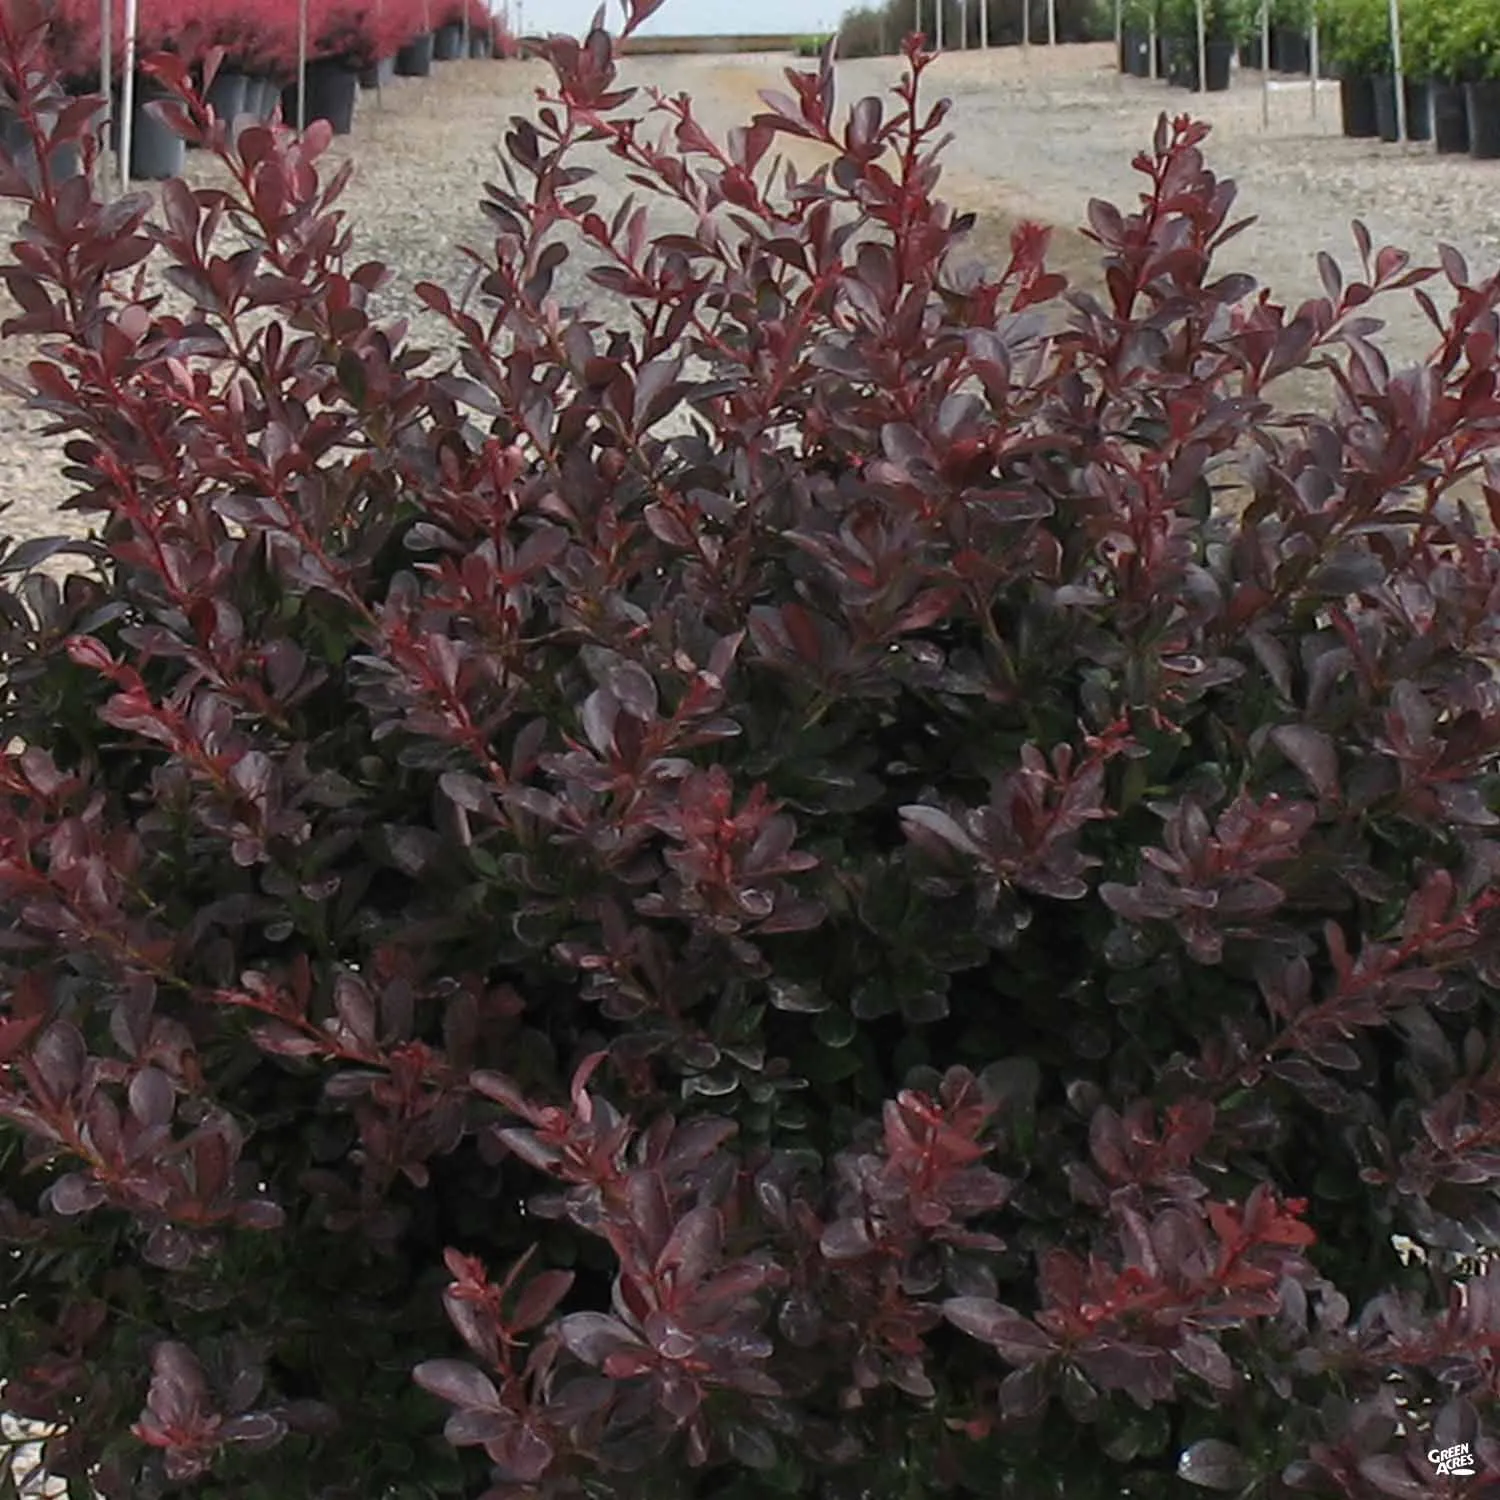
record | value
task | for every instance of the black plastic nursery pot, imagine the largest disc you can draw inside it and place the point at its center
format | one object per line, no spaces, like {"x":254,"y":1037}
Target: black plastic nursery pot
{"x":1135,"y":54}
{"x":414,"y":60}
{"x":1357,"y":107}
{"x":262,"y":95}
{"x":1219,"y":58}
{"x":448,"y":43}
{"x":1418,"y":109}
{"x":382,"y":75}
{"x":1450,"y":117}
{"x":480,"y":44}
{"x":1183,"y":67}
{"x":228,"y":95}
{"x":1141,"y":58}
{"x":1484,"y":119}
{"x":1291,"y":50}
{"x":156,"y":152}
{"x":63,"y":161}
{"x":1182,"y":64}
{"x":332,"y":89}
{"x":1385,"y":107}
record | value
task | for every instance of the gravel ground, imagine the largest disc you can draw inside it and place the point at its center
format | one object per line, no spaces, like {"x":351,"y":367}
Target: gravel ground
{"x":1036,"y":137}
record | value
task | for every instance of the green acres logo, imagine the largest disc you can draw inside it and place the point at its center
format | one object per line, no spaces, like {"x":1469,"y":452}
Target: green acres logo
{"x":1455,"y":1460}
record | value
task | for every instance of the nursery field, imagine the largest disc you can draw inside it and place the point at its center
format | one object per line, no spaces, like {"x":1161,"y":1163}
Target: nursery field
{"x":1035,"y":140}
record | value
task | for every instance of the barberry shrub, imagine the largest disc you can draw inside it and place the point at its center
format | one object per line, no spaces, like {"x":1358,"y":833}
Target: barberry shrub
{"x":874,"y":877}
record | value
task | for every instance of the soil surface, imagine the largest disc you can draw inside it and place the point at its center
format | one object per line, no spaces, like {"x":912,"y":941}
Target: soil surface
{"x":1035,"y":137}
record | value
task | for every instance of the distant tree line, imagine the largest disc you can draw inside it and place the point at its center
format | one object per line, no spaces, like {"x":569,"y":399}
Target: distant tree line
{"x":870,"y":30}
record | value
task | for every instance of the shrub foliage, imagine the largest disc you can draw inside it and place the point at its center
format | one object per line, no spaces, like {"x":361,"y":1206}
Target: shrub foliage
{"x":874,"y":878}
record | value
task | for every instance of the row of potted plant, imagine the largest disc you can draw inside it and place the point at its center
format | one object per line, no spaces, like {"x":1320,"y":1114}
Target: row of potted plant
{"x":351,"y":44}
{"x":1291,"y":46}
{"x":1451,"y":65}
{"x":261,"y":36}
{"x":1450,"y":59}
{"x":1230,"y":26}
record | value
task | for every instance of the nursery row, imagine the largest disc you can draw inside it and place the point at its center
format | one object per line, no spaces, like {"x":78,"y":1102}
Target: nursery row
{"x":1450,"y":59}
{"x":351,"y":45}
{"x":1231,"y":26}
{"x":260,"y":37}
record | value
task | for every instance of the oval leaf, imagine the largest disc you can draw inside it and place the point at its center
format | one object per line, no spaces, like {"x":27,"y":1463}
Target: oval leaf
{"x":453,"y":1380}
{"x":1213,"y":1465}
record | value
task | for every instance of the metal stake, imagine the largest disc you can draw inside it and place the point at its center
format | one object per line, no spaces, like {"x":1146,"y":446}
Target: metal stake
{"x":1265,"y":64}
{"x":1398,"y":67}
{"x":127,"y":97}
{"x":1315,"y":59}
{"x":301,"y":66}
{"x":1202,"y":50}
{"x":106,"y":74}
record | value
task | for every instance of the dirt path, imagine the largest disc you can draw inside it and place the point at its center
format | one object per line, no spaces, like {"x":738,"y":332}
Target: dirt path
{"x":1034,"y":138}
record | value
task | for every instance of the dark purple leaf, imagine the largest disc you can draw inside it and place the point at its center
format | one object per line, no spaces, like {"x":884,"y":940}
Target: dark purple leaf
{"x":453,"y":1380}
{"x":940,"y":825}
{"x":1389,"y":1475}
{"x":257,"y":1427}
{"x":152,"y":1098}
{"x":1313,"y":753}
{"x":541,"y":1296}
{"x":1213,"y":1465}
{"x":77,"y":1193}
{"x":593,"y":1336}
{"x":472,"y":1427}
{"x":1199,"y":1355}
{"x":1015,"y":1338}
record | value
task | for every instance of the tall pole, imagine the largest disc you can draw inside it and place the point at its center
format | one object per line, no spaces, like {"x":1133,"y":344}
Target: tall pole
{"x":301,"y":66}
{"x":1265,"y":64}
{"x":963,"y":24}
{"x":106,"y":73}
{"x":1120,"y":37}
{"x":1398,"y":67}
{"x":1316,"y":58}
{"x":1026,"y":27}
{"x":379,"y":61}
{"x":127,"y":97}
{"x":1202,"y":50}
{"x":1051,"y":23}
{"x":1151,"y":44}
{"x":940,"y":6}
{"x":984,"y":23}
